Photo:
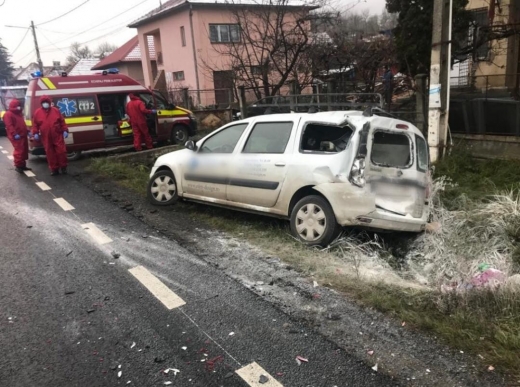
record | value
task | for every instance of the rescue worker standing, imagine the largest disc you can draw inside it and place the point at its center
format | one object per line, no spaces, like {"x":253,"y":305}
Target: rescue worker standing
{"x":136,"y":110}
{"x":49,"y":125}
{"x":17,"y":133}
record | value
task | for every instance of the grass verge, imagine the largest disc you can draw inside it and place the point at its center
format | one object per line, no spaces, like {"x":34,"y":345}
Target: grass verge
{"x":483,"y":322}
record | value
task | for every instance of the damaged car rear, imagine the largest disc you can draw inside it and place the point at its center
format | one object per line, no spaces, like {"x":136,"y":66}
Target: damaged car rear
{"x":322,"y":171}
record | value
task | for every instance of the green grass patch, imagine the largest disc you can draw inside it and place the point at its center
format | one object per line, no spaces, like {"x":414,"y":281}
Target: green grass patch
{"x":474,"y":178}
{"x":485,"y":323}
{"x":134,"y":177}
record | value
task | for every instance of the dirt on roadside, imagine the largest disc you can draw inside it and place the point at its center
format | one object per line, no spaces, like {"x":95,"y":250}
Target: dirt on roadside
{"x":412,"y":358}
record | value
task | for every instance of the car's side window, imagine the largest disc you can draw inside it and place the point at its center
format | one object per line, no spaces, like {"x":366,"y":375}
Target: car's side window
{"x":224,"y":141}
{"x":422,"y":154}
{"x":269,"y":137}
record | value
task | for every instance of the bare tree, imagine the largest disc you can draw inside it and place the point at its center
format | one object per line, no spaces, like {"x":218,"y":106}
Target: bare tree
{"x":269,"y":47}
{"x":77,"y":53}
{"x":104,"y":49}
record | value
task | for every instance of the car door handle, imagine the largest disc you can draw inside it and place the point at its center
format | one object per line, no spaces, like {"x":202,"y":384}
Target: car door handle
{"x":280,"y":164}
{"x":95,"y":118}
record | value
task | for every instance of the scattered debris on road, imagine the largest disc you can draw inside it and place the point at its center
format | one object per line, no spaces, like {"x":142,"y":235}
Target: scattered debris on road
{"x":119,"y":374}
{"x":491,"y":368}
{"x":263,"y":379}
{"x":133,"y":345}
{"x":115,"y":254}
{"x":174,"y":370}
{"x":69,"y":253}
{"x":67,"y":292}
{"x":232,"y":334}
{"x":375,"y":368}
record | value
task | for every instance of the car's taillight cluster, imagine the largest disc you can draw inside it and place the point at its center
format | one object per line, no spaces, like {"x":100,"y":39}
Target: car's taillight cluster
{"x":357,"y":173}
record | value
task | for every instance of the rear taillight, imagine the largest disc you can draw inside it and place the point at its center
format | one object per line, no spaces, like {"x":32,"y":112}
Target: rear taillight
{"x":357,"y":173}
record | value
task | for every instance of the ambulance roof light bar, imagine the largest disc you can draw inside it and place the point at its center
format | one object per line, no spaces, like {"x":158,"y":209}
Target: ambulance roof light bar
{"x":111,"y":71}
{"x":37,"y":74}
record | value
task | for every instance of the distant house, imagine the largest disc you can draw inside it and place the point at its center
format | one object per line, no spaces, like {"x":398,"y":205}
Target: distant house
{"x":188,"y":36}
{"x":22,"y":76}
{"x":83,"y":67}
{"x":127,"y":59}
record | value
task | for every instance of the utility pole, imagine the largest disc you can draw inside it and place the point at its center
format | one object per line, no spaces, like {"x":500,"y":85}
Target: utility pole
{"x":40,"y":64}
{"x":439,"y":101}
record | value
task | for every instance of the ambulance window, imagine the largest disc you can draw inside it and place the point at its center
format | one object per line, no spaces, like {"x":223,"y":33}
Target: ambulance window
{"x":161,"y":102}
{"x":148,"y":100}
{"x":76,"y":106}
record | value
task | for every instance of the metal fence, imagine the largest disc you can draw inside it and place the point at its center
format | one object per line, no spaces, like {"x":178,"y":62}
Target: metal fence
{"x":211,"y":99}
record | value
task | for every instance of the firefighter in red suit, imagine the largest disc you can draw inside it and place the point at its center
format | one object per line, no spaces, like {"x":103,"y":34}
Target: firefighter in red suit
{"x":17,"y":133}
{"x":49,"y":126}
{"x":136,"y":110}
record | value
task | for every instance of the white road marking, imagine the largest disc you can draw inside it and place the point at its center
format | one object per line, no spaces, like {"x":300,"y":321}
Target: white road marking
{"x":252,"y":373}
{"x":43,"y":186}
{"x":1,"y":147}
{"x":157,"y":288}
{"x":10,"y":157}
{"x":29,"y":174}
{"x":96,"y":234}
{"x":65,"y":206}
{"x":5,"y":152}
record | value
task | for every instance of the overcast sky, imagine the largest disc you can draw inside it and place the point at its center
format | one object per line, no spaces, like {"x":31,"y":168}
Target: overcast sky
{"x":94,"y":22}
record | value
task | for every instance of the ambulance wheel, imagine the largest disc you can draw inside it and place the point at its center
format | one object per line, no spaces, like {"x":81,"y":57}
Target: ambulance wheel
{"x":179,"y":134}
{"x":73,"y":156}
{"x":162,"y":188}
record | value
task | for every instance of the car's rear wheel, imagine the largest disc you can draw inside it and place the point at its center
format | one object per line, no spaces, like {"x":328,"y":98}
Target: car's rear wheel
{"x":313,"y":221}
{"x":179,"y":134}
{"x":73,"y":156}
{"x":162,"y":188}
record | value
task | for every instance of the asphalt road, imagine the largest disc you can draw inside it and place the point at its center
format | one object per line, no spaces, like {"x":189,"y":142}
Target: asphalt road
{"x":71,"y":314}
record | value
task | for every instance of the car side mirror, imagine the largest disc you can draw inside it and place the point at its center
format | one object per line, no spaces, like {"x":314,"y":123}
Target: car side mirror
{"x":191,"y":145}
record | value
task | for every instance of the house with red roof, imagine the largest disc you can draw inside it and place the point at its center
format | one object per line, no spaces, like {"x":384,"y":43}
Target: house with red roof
{"x":127,"y":59}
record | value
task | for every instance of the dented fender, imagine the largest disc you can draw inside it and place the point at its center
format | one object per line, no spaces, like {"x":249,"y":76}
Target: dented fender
{"x":347,"y":201}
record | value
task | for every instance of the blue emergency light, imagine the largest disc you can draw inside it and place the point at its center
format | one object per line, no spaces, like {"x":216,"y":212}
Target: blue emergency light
{"x":113,"y":70}
{"x":37,"y":74}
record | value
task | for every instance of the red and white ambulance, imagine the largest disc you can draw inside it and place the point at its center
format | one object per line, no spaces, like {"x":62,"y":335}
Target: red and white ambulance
{"x":94,"y":110}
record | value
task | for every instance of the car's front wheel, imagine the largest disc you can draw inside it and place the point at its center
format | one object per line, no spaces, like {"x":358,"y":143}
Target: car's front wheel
{"x":313,"y":221}
{"x":162,"y":188}
{"x":179,"y":134}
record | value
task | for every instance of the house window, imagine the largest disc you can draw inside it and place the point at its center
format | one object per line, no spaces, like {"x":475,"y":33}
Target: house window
{"x":256,"y":70}
{"x":183,"y":37}
{"x":224,"y":33}
{"x":178,"y":76}
{"x":480,"y":39}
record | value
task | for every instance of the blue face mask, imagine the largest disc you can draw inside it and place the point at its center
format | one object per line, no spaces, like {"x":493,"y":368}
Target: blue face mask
{"x":46,"y":105}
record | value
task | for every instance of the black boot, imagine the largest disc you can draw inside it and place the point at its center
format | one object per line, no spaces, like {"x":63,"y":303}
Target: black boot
{"x":19,"y":169}
{"x":26,"y":168}
{"x":64,"y":170}
{"x":55,"y":172}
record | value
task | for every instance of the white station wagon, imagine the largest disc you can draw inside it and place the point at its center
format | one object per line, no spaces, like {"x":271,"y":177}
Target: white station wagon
{"x":321,"y":171}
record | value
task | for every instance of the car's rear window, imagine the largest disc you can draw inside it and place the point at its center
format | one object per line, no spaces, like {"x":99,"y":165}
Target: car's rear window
{"x":391,"y":149}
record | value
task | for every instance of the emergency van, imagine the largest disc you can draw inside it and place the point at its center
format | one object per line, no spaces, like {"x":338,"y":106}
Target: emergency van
{"x":94,"y":110}
{"x":7,"y":94}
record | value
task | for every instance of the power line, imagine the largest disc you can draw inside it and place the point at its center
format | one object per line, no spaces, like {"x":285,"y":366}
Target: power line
{"x":106,"y":21}
{"x":47,"y":39}
{"x":19,"y":44}
{"x":25,"y":56}
{"x":65,"y":14}
{"x":2,"y":3}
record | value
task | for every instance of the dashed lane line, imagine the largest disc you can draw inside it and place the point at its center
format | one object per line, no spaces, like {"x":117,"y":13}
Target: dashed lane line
{"x":157,"y":288}
{"x":5,"y":152}
{"x":99,"y":236}
{"x":42,"y":185}
{"x":65,"y":205}
{"x":10,"y":157}
{"x":29,"y":174}
{"x":256,"y":376}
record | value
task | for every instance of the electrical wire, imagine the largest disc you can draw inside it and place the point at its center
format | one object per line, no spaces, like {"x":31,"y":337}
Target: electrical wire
{"x":47,"y":39}
{"x":104,"y":22}
{"x":65,"y":14}
{"x":19,"y":44}
{"x":25,"y":56}
{"x":2,"y":3}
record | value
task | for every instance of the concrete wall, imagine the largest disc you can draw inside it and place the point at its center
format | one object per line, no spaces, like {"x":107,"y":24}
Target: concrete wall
{"x":490,"y":147}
